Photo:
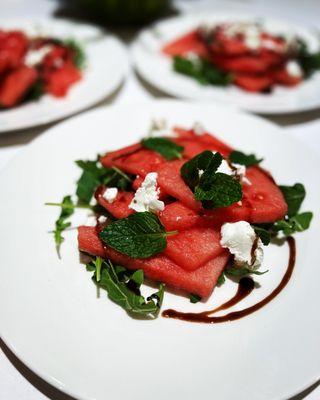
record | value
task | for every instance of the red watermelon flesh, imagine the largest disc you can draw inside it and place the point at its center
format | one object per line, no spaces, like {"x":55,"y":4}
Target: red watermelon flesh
{"x":110,"y":158}
{"x":159,"y":268}
{"x":192,"y":248}
{"x":176,"y":216}
{"x":265,"y":198}
{"x":170,"y":181}
{"x":236,"y":212}
{"x":119,"y":208}
{"x":191,"y":42}
{"x":136,"y":160}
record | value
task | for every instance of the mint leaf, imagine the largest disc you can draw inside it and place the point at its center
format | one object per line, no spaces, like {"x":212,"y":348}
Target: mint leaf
{"x":201,"y":70}
{"x":190,"y":170}
{"x":263,"y":233}
{"x":297,"y":223}
{"x":141,"y":235}
{"x":120,"y":291}
{"x":294,"y":196}
{"x":194,"y":298}
{"x":67,"y":210}
{"x":168,"y":149}
{"x":223,"y":191}
{"x":248,"y":160}
{"x":309,"y":62}
{"x":242,"y":271}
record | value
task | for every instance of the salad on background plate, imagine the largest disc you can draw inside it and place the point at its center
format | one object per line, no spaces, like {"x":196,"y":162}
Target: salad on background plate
{"x":185,"y":210}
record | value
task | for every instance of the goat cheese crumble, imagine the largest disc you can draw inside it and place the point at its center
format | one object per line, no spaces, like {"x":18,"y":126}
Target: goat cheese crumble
{"x":233,"y":169}
{"x":242,"y":241}
{"x":294,"y":69}
{"x":159,"y":128}
{"x":110,"y":194}
{"x":146,"y":197}
{"x":34,"y":57}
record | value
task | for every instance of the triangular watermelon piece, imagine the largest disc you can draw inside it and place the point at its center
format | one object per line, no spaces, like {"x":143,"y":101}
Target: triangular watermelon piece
{"x":265,"y":198}
{"x":119,"y":208}
{"x":159,"y":268}
{"x":190,"y":42}
{"x":170,"y":181}
{"x":177,"y":216}
{"x":192,"y":248}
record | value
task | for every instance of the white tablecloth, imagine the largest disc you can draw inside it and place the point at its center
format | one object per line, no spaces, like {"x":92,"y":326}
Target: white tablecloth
{"x":16,"y":381}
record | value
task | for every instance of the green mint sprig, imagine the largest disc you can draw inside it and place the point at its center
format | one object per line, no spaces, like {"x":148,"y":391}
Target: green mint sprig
{"x":213,"y":188}
{"x":123,"y":287}
{"x":141,"y":235}
{"x":168,"y":149}
{"x":238,"y":157}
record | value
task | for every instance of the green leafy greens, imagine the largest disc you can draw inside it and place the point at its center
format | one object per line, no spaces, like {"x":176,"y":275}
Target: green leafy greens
{"x":309,"y":62}
{"x":78,"y":54}
{"x":94,"y":175}
{"x":168,"y":149}
{"x":294,"y":196}
{"x":141,"y":235}
{"x":202,"y":71}
{"x":194,"y":298}
{"x":123,"y":287}
{"x":297,"y":223}
{"x":67,"y":210}
{"x":248,"y":160}
{"x":213,"y":188}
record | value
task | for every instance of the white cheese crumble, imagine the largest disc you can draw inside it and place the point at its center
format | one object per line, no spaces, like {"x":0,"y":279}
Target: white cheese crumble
{"x":34,"y":57}
{"x":159,"y":128}
{"x":91,"y":221}
{"x":198,"y":128}
{"x":294,"y":69}
{"x":239,"y":238}
{"x":251,"y":33}
{"x":233,"y":169}
{"x":110,"y":194}
{"x":102,"y":219}
{"x":146,"y":197}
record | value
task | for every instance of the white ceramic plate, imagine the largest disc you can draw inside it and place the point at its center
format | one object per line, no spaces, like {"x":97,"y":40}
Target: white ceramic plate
{"x":156,"y":68}
{"x":106,"y":66}
{"x":89,"y":347}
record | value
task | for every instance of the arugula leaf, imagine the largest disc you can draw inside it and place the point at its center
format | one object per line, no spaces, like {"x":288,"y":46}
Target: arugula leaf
{"x":248,"y":160}
{"x":201,"y":70}
{"x":263,"y":233}
{"x":61,"y":224}
{"x":120,"y":291}
{"x":190,"y":170}
{"x":78,"y":54}
{"x":168,"y":149}
{"x":141,"y":235}
{"x":242,"y":271}
{"x":222,"y":278}
{"x":36,"y":91}
{"x":297,"y":223}
{"x":294,"y":196}
{"x":194,"y":298}
{"x":94,"y":175}
{"x":224,"y":191}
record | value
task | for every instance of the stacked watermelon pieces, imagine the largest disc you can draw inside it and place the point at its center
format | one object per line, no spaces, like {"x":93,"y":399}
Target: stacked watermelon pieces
{"x":254,"y":70}
{"x":18,"y":80}
{"x":193,"y":259}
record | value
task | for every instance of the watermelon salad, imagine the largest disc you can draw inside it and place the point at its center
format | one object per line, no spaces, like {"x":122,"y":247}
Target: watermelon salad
{"x":244,"y":54}
{"x":180,"y":208}
{"x":33,"y":66}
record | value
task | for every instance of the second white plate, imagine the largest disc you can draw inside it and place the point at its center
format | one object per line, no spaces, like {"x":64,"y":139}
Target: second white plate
{"x":156,"y":68}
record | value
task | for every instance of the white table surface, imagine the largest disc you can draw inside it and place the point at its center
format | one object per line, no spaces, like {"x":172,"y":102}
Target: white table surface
{"x":16,"y":381}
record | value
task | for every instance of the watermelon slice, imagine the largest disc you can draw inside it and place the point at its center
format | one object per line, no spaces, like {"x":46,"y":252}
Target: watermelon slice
{"x":176,"y":216}
{"x":266,"y":199}
{"x":170,"y":181}
{"x":134,"y":160}
{"x":159,"y":268}
{"x":16,"y":84}
{"x":281,"y":76}
{"x":59,"y":81}
{"x":119,"y":208}
{"x":191,"y":42}
{"x":253,"y":83}
{"x":192,"y":248}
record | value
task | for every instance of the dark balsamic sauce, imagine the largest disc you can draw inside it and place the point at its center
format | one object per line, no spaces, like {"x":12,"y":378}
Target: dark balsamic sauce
{"x":246,"y":285}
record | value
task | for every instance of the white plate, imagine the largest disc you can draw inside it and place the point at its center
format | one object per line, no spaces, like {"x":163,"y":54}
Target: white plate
{"x":106,"y":66}
{"x":89,"y":347}
{"x":156,"y":68}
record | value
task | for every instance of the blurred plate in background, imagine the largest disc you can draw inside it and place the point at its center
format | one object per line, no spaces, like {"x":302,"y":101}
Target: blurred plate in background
{"x":105,"y":67}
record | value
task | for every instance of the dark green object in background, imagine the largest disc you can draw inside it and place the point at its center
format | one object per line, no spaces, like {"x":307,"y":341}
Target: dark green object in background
{"x":122,"y":11}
